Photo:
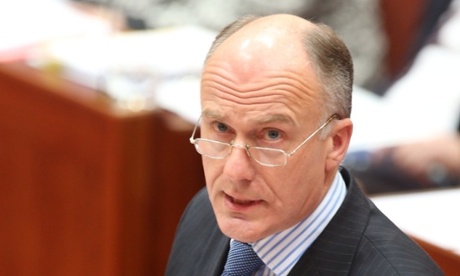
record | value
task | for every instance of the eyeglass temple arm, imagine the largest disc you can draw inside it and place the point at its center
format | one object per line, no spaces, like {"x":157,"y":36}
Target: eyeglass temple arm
{"x":335,"y":116}
{"x":192,"y":137}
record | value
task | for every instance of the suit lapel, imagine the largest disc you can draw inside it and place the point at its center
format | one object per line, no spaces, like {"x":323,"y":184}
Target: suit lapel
{"x":214,"y":255}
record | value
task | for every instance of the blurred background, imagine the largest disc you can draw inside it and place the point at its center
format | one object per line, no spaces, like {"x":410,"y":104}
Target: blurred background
{"x":98,"y":99}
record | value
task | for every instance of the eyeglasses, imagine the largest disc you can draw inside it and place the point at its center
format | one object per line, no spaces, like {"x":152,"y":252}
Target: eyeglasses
{"x":269,"y":157}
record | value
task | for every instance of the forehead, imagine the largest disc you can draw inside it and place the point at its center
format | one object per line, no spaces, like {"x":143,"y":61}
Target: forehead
{"x":260,"y":70}
{"x":253,"y":87}
{"x":272,"y":100}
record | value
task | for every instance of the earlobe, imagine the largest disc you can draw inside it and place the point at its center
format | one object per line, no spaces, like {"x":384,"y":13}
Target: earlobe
{"x":340,"y":139}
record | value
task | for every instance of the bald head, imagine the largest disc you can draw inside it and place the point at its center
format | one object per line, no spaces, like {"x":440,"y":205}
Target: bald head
{"x":264,"y":44}
{"x":284,"y":41}
{"x":266,"y":34}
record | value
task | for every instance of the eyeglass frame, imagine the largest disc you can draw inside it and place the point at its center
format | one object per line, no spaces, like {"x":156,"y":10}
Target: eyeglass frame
{"x":247,"y":147}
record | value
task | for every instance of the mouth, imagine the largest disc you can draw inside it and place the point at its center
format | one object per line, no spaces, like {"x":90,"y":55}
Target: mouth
{"x":240,"y":204}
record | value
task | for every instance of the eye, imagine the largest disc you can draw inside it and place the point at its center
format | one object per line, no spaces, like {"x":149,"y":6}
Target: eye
{"x":221,"y":127}
{"x":273,"y":134}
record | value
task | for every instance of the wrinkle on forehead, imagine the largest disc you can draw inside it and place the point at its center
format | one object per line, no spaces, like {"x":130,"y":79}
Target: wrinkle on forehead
{"x":219,"y":76}
{"x":283,"y":86}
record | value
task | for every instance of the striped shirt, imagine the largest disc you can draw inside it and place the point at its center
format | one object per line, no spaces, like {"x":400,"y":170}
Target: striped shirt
{"x":281,"y":251}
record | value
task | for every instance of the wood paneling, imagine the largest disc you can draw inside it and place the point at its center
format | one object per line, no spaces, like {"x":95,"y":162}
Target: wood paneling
{"x":86,"y":188}
{"x":448,"y":261}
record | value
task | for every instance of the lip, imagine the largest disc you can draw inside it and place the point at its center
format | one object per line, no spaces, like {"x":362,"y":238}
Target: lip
{"x":240,"y":205}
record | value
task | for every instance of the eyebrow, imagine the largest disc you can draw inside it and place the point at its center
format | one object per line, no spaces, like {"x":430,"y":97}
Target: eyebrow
{"x":275,"y":118}
{"x":271,"y":118}
{"x":212,"y":114}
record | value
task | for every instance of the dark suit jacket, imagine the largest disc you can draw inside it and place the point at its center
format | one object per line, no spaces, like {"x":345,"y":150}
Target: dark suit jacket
{"x":359,"y":240}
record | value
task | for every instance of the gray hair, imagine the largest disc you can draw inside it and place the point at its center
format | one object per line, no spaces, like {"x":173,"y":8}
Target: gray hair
{"x":333,"y":66}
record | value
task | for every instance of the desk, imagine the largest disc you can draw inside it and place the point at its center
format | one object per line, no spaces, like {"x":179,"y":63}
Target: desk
{"x":431,"y":218}
{"x":85,"y":187}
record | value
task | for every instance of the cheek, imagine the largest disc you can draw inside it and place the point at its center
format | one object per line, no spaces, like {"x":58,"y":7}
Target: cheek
{"x":212,"y":170}
{"x":297,"y":195}
{"x":290,"y":201}
{"x":288,"y":187}
{"x":300,"y":179}
{"x":284,"y":188}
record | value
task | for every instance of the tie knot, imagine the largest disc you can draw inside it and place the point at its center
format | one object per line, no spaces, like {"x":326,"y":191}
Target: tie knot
{"x":241,"y":260}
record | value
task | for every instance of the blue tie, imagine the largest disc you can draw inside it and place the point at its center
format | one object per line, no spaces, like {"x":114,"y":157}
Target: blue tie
{"x":241,"y":260}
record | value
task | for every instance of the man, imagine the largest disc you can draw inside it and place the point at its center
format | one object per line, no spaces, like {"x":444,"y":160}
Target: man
{"x":275,"y":98}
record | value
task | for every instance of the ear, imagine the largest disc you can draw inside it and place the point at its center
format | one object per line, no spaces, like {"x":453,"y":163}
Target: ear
{"x":340,"y":135}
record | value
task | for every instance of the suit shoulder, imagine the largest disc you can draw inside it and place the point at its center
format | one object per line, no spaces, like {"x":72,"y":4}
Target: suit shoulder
{"x":198,"y":211}
{"x":199,"y":246}
{"x":386,"y":247}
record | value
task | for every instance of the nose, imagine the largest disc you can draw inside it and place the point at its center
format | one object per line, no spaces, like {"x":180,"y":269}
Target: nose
{"x":239,"y":166}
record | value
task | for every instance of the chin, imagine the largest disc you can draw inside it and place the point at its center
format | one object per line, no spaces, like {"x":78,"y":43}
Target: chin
{"x":239,"y":229}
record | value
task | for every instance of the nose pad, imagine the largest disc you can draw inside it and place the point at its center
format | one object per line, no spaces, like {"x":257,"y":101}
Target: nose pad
{"x":239,"y":167}
{"x":243,"y":147}
{"x":239,"y":149}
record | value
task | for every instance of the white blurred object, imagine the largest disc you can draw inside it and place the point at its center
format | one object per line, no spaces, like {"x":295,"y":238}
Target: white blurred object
{"x":138,"y":69}
{"x":429,"y":216}
{"x":426,"y":100}
{"x":424,"y":103}
{"x":25,"y":24}
{"x":449,"y":33}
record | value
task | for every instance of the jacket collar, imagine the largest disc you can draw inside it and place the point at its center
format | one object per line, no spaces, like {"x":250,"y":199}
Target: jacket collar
{"x":337,"y":244}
